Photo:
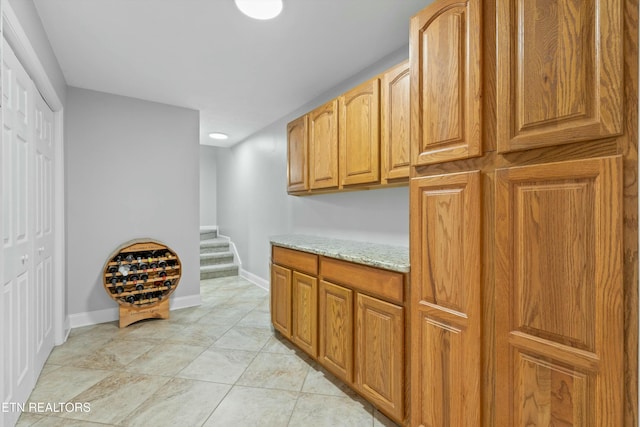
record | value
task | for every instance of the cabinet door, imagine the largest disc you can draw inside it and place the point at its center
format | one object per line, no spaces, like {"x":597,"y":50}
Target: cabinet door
{"x":559,"y":300}
{"x":360,"y":134}
{"x":281,"y":299}
{"x":559,"y":71}
{"x":380,"y":354}
{"x":445,"y":46}
{"x":394,"y":122}
{"x":446,"y":303}
{"x":297,"y":155}
{"x":305,"y":312}
{"x":323,"y":146}
{"x":336,"y":330}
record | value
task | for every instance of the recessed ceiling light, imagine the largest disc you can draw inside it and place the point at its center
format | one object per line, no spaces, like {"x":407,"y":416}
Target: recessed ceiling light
{"x":260,"y":9}
{"x":218,"y":135}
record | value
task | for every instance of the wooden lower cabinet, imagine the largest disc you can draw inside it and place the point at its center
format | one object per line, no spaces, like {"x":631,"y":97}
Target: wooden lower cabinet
{"x":379,"y":353}
{"x":281,"y":299}
{"x":336,"y":330}
{"x":305,"y":312}
{"x":350,"y":318}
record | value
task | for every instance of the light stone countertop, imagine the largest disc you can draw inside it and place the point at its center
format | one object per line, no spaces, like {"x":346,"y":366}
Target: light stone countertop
{"x":389,"y":257}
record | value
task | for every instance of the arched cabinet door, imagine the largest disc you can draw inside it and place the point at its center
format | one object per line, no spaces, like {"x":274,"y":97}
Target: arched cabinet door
{"x":559,"y":68}
{"x":446,"y":82}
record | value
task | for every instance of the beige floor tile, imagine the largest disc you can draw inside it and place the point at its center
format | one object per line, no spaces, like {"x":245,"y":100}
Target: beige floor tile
{"x":223,"y":316}
{"x":76,"y":348}
{"x":62,"y":385}
{"x":188,"y":315}
{"x":256,"y":319}
{"x":65,"y":422}
{"x":116,"y":396}
{"x":218,"y":365}
{"x":115,"y":354}
{"x":245,"y":406}
{"x":277,"y":344}
{"x":180,"y":402}
{"x":153,"y":330}
{"x":194,"y":334}
{"x":28,"y":419}
{"x":331,"y":411}
{"x":278,"y":371}
{"x":165,"y":359}
{"x":244,"y":338}
{"x":321,"y":381}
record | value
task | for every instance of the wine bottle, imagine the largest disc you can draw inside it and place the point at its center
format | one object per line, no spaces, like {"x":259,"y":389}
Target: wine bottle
{"x":144,"y":277}
{"x":130,"y":299}
{"x":112,"y":269}
{"x":162,"y":274}
{"x":129,"y":258}
{"x":168,"y":284}
{"x":139,"y":287}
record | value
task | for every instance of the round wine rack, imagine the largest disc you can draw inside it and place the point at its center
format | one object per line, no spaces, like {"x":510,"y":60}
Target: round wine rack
{"x":140,"y":275}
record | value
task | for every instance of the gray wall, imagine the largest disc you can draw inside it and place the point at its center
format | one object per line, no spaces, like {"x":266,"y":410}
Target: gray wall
{"x":253,"y":203}
{"x":208,"y":186}
{"x":131,"y":172}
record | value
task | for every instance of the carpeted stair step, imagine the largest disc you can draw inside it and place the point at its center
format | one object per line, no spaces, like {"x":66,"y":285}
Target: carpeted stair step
{"x":208,"y":234}
{"x":218,"y":270}
{"x":214,"y":245}
{"x":212,"y":258}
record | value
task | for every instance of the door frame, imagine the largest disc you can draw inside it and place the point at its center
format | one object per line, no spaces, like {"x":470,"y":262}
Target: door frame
{"x":17,"y":38}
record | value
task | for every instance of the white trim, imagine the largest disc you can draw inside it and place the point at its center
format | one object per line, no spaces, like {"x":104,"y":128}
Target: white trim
{"x":256,"y":280}
{"x":205,"y":228}
{"x":111,"y":314}
{"x":236,"y":255}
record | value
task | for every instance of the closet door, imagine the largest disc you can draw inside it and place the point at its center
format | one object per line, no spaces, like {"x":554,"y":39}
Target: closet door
{"x":17,"y":237}
{"x":44,"y":232}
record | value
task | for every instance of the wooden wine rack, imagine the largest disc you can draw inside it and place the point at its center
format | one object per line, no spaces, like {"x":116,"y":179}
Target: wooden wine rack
{"x":156,"y":270}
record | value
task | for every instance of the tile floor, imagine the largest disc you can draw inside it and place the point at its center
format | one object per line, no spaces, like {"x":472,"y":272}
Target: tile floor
{"x":219,"y":364}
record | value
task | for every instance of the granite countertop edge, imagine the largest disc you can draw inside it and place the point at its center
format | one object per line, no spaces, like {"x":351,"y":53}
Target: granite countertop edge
{"x":388,"y":257}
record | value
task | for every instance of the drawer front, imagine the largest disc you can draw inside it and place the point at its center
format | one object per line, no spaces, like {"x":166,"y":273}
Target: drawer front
{"x":301,"y":261}
{"x":369,"y":280}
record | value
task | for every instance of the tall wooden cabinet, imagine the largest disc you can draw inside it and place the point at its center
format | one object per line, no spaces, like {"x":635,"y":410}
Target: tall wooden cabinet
{"x":523,"y":213}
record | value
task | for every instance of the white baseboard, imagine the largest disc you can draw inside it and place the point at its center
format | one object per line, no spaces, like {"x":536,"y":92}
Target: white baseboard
{"x":256,"y":280}
{"x":208,"y":228}
{"x":110,"y":314}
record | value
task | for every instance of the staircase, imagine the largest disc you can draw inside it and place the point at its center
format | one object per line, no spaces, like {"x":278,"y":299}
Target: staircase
{"x":216,"y":257}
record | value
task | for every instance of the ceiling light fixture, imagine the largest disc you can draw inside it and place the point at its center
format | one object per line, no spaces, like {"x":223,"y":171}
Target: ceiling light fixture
{"x":218,"y":135}
{"x":260,"y":9}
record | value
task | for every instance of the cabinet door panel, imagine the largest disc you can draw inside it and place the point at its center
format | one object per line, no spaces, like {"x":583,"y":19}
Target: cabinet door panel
{"x":305,"y":312}
{"x":281,"y":299}
{"x":336,"y":330}
{"x":560,"y":72}
{"x":297,"y":155}
{"x":323,"y":146}
{"x":446,"y":82}
{"x":559,"y":311}
{"x":380,"y":354}
{"x":446,"y":299}
{"x":394,"y":122}
{"x":359,"y":126}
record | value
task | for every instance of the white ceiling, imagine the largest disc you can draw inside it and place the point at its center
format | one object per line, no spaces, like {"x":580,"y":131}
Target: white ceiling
{"x":242,"y":74}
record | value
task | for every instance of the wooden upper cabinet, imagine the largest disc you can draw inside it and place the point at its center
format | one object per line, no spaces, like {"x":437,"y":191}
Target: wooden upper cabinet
{"x":323,"y":146}
{"x":359,"y":126}
{"x":297,"y":155}
{"x":559,"y":71}
{"x":445,"y":40}
{"x":560,"y":343}
{"x":394,"y":122}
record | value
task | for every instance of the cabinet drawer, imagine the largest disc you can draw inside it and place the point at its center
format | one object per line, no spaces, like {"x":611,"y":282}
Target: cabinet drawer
{"x":301,"y":261}
{"x":370,"y":280}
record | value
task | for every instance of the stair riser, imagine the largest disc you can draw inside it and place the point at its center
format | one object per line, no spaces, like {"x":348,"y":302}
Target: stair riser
{"x":208,"y":235}
{"x":214,"y":249}
{"x":216,"y":260}
{"x":216,"y":274}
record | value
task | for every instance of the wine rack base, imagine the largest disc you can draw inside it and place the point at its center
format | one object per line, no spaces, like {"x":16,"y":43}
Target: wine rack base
{"x":140,"y":275}
{"x":129,"y":315}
